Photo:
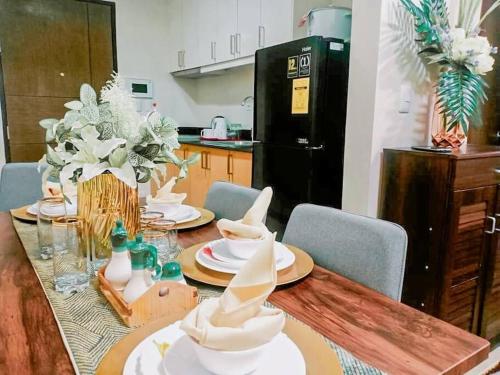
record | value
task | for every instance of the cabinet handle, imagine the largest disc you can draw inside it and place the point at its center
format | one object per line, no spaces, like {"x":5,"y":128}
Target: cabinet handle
{"x":231,"y":44}
{"x":497,"y":229}
{"x":183,"y":58}
{"x":493,"y":225}
{"x":212,"y":50}
{"x":238,"y":43}
{"x":230,"y":165}
{"x":262,"y":36}
{"x":207,"y":160}
{"x":179,"y":59}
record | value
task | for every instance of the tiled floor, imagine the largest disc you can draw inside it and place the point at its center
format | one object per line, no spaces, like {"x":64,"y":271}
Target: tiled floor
{"x":492,"y":360}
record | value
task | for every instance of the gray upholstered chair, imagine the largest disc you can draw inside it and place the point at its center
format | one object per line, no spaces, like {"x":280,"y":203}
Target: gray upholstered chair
{"x":230,"y":201}
{"x":366,"y":250}
{"x":20,"y":185}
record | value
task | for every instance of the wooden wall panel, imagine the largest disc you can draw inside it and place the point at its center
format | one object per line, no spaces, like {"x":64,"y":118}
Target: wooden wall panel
{"x":25,"y":113}
{"x":101,"y":43}
{"x":45,"y":47}
{"x":27,"y":151}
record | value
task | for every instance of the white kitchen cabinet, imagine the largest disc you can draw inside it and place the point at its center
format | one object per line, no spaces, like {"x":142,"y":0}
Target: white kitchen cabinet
{"x":276,"y":22}
{"x":190,"y":54}
{"x":176,"y":39}
{"x":227,"y":15}
{"x":207,"y":31}
{"x":247,"y":35}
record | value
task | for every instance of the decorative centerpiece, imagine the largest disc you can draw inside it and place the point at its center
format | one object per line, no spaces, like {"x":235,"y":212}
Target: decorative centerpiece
{"x":463,"y":56}
{"x":106,"y":147}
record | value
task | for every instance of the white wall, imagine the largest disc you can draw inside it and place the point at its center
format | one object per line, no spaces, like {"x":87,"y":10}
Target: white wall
{"x":383,"y":60}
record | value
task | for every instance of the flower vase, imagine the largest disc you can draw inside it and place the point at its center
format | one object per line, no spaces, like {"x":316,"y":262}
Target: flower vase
{"x":103,"y":192}
{"x":441,"y":136}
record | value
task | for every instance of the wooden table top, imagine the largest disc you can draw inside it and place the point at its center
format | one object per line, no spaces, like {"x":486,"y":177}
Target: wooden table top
{"x":382,"y":332}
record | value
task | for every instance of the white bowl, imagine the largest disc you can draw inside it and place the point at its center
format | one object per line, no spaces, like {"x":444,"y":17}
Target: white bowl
{"x":220,"y":362}
{"x":243,"y":248}
{"x":167,"y":206}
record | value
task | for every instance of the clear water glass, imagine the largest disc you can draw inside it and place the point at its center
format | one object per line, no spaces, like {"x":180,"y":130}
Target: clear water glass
{"x":70,"y":255}
{"x":168,"y":227}
{"x":102,"y":223}
{"x":159,"y":240}
{"x":49,"y":209}
{"x":148,"y":217}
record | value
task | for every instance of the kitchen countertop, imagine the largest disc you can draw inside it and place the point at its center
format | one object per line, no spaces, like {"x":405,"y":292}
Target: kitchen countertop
{"x":244,"y":146}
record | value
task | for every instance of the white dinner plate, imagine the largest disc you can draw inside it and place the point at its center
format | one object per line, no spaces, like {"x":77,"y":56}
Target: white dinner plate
{"x":282,"y":358}
{"x":183,"y":214}
{"x":71,"y":209}
{"x":214,"y":264}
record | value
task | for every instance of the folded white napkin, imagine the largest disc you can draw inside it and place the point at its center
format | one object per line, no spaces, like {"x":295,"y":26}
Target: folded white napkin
{"x":237,"y":320}
{"x":54,"y":189}
{"x":251,"y":225}
{"x":165,"y":195}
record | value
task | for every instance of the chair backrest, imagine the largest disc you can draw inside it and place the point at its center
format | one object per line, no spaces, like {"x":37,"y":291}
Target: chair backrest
{"x":366,"y":250}
{"x":20,"y":185}
{"x":230,"y":201}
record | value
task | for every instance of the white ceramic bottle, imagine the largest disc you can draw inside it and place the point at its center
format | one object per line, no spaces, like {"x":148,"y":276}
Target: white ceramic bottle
{"x":119,"y":269}
{"x":145,"y":269}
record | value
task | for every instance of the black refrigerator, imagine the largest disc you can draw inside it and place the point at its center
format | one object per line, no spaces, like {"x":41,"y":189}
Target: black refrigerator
{"x":299,"y":124}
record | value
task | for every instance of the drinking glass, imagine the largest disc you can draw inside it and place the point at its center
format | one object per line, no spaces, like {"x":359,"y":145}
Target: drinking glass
{"x":148,"y":217}
{"x":102,"y":221}
{"x":49,"y":209}
{"x":70,"y":255}
{"x":159,"y":240}
{"x":170,"y":231}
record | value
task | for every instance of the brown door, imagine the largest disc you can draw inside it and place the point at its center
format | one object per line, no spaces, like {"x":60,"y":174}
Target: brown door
{"x":490,"y":317}
{"x":49,"y":48}
{"x":471,"y":232}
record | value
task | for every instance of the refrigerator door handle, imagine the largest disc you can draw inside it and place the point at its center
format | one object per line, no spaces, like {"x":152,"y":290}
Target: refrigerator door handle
{"x":312,"y":148}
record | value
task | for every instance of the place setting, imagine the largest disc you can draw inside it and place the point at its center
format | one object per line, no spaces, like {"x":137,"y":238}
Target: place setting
{"x":216,"y":262}
{"x":169,"y":206}
{"x":236,"y":333}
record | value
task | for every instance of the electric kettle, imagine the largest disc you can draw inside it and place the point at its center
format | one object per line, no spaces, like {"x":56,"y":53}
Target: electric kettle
{"x":219,"y":127}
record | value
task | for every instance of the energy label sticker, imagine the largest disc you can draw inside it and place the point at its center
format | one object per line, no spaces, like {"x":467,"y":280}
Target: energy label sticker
{"x":293,"y":66}
{"x":300,"y":96}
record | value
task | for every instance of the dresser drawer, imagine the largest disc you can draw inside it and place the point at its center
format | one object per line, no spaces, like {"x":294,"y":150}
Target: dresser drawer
{"x":472,"y":173}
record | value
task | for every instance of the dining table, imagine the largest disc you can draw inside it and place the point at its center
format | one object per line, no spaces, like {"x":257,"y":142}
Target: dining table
{"x":382,"y":332}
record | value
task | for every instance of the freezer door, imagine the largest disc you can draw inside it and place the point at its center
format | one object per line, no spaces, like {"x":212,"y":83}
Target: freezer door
{"x":289,"y":80}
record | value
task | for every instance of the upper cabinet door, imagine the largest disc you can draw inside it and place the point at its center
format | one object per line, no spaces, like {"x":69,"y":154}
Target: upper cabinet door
{"x":190,"y":53}
{"x":207,"y":31}
{"x":227,"y":13}
{"x":175,"y":35}
{"x":276,"y":22}
{"x":247,"y":37}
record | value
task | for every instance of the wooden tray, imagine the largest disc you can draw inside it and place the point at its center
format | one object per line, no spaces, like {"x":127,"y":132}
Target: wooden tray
{"x":319,"y":357}
{"x":301,"y":268}
{"x":164,"y":299}
{"x":206,"y":217}
{"x":22,"y":214}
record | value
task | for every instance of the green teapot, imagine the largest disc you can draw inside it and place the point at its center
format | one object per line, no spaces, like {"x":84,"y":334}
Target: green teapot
{"x":145,"y":268}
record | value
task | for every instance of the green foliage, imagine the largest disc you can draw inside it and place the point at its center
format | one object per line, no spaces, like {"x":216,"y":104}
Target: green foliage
{"x":430,"y":18}
{"x":460,"y":94}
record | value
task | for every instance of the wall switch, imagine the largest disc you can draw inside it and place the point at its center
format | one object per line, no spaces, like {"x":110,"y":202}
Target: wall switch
{"x":405,"y":98}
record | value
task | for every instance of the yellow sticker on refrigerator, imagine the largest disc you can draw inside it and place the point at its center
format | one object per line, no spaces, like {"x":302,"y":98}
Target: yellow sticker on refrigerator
{"x":300,"y":96}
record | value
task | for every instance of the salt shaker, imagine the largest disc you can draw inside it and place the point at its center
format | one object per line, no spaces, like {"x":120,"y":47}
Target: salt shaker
{"x":119,"y":269}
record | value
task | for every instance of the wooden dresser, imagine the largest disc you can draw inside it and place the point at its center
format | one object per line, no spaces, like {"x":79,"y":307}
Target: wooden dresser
{"x":449,"y":205}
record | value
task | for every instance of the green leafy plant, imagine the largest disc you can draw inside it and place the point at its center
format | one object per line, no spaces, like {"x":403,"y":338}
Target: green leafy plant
{"x":110,"y":136}
{"x":463,"y":55}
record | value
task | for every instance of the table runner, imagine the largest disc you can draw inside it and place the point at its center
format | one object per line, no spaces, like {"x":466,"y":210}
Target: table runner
{"x":89,"y":325}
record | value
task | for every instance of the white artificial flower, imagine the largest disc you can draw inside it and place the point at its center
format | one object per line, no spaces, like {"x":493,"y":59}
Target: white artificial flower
{"x":482,"y":64}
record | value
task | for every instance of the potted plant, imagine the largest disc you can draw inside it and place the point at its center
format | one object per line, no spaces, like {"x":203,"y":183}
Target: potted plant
{"x":463,"y":56}
{"x":106,"y":147}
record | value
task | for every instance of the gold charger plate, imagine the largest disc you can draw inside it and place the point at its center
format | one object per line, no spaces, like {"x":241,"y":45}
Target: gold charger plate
{"x":319,"y":357}
{"x":302,"y":267}
{"x":22,"y":214}
{"x":206,"y":217}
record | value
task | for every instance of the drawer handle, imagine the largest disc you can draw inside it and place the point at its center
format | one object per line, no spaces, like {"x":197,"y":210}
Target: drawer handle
{"x":497,"y":229}
{"x":493,"y":225}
